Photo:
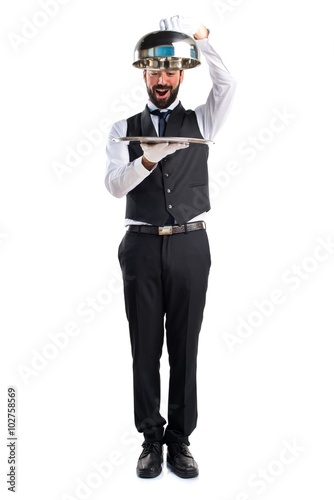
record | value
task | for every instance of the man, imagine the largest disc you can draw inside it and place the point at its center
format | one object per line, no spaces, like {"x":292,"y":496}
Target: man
{"x":165,"y":255}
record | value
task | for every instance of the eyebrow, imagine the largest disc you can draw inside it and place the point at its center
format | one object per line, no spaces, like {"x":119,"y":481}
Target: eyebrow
{"x":155,"y":72}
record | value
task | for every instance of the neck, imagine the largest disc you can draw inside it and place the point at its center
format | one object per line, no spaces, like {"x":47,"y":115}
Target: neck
{"x":172,"y":106}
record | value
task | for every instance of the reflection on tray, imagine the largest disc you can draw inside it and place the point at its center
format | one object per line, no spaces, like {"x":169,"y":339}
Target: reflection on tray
{"x":157,"y":140}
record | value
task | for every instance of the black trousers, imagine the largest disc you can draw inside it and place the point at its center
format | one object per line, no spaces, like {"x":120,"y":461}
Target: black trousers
{"x":165,"y":283}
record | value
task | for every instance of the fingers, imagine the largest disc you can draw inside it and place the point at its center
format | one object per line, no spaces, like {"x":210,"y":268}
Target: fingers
{"x":175,"y":146}
{"x":156,"y":152}
{"x":164,"y":146}
{"x":171,"y":23}
{"x":180,"y":145}
{"x":189,"y":25}
{"x":166,"y":24}
{"x":155,"y":148}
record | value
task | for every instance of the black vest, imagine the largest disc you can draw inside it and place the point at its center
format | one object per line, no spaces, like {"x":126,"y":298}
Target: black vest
{"x":179,"y":184}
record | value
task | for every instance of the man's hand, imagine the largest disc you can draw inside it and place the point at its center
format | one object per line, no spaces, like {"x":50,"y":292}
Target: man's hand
{"x":153,"y":153}
{"x":189,"y":25}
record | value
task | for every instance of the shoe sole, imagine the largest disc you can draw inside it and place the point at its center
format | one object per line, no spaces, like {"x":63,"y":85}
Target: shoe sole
{"x":181,"y":473}
{"x":149,"y":475}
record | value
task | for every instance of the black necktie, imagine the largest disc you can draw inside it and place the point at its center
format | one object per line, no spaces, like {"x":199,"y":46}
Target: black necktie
{"x":162,"y":119}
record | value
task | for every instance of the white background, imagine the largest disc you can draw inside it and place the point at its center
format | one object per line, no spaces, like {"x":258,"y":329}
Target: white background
{"x":59,"y":240}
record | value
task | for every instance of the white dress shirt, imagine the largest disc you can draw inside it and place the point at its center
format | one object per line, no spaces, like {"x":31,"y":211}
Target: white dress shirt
{"x":122,"y":175}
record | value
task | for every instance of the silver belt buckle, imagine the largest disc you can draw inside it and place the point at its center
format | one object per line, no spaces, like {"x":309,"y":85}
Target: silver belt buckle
{"x":165,"y":230}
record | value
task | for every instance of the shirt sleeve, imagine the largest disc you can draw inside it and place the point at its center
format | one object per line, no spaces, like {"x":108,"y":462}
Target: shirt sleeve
{"x":212,"y":114}
{"x":121,"y":175}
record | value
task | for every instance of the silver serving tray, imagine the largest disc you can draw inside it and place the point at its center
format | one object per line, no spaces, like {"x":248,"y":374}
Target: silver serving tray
{"x":157,"y":140}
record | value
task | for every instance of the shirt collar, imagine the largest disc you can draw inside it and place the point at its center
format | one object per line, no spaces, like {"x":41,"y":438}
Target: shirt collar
{"x":152,"y":107}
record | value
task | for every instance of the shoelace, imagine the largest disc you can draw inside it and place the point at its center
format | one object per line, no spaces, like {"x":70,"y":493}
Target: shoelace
{"x":150,"y":447}
{"x":181,"y":448}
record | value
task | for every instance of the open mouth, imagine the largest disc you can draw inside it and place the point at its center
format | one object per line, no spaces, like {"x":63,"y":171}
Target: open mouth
{"x":162,"y":93}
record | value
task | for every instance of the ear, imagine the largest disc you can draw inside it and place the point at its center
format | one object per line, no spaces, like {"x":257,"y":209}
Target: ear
{"x":181,"y":75}
{"x":144,"y":75}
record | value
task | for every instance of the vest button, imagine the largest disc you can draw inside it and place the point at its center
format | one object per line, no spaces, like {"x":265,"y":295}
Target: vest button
{"x":168,"y":190}
{"x":170,"y":206}
{"x":166,"y":175}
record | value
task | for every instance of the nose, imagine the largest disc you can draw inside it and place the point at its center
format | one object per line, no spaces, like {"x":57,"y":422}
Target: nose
{"x":162,"y":78}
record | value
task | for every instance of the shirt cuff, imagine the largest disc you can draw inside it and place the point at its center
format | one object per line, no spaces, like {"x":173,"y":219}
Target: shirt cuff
{"x":203,"y":43}
{"x":140,"y":170}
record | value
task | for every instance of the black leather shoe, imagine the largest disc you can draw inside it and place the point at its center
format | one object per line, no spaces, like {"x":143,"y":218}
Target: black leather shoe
{"x":150,"y":460}
{"x":181,"y":461}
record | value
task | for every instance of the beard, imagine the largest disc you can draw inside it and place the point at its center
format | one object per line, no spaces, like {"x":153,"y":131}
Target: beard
{"x":162,"y":103}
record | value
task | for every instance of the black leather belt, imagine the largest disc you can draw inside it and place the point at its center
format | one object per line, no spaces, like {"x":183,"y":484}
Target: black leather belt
{"x":167,"y":230}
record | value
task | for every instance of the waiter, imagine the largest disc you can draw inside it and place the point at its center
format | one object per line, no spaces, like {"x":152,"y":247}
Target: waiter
{"x":164,"y":254}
